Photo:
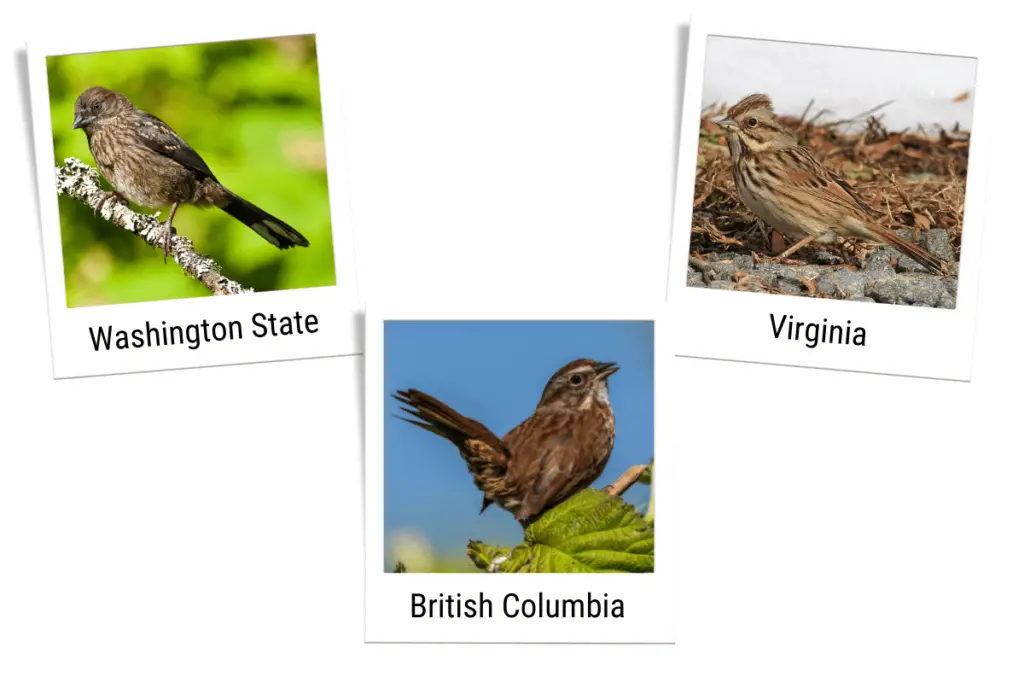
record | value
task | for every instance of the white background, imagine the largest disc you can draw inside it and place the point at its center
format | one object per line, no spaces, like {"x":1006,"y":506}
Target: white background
{"x":832,"y":526}
{"x":846,"y":81}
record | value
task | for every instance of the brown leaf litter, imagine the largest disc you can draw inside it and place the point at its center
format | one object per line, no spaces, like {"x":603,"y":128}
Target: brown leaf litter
{"x":917,"y":180}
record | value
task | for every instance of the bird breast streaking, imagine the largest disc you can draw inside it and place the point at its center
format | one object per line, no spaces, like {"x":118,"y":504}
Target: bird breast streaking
{"x":147,"y":163}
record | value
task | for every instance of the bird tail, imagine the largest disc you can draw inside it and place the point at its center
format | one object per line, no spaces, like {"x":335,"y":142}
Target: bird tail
{"x":925,"y":258}
{"x":485,"y":454}
{"x":273,"y":230}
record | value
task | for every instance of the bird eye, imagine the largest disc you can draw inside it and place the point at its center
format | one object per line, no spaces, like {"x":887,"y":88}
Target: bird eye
{"x":576,"y":380}
{"x":751,"y":122}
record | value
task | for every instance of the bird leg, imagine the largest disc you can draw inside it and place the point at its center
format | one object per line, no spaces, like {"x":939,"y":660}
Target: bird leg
{"x":168,"y":230}
{"x":796,"y":247}
{"x":107,"y":196}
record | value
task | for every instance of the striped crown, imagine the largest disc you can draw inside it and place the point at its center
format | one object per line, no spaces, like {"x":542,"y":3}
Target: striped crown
{"x":749,"y":103}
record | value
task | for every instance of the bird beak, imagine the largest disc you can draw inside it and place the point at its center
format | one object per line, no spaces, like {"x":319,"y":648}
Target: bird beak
{"x":79,"y":122}
{"x":606,"y":370}
{"x":726,"y":123}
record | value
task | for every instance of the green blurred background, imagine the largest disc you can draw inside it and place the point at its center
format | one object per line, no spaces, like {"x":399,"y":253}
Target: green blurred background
{"x":252,"y":110}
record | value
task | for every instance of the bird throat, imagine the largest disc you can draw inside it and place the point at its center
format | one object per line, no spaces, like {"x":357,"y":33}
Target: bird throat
{"x":751,"y":144}
{"x":599,"y":395}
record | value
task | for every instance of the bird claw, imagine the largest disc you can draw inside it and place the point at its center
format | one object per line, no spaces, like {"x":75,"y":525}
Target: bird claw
{"x":167,"y":231}
{"x":783,"y":260}
{"x":107,"y":196}
{"x":165,"y":239}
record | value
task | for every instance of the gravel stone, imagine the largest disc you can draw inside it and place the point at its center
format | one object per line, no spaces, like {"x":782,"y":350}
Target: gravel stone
{"x":770,"y":273}
{"x":825,"y":284}
{"x":905,"y":289}
{"x":824,"y":258}
{"x":722,"y":270}
{"x":849,"y":284}
{"x":789,"y":285}
{"x":743,"y":262}
{"x":794,"y":283}
{"x":905,"y":264}
{"x":879,"y":281}
{"x":937,"y":242}
{"x":879,"y":263}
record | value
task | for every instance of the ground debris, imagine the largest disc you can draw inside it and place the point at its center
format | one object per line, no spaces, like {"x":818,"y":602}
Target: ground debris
{"x":916,"y":179}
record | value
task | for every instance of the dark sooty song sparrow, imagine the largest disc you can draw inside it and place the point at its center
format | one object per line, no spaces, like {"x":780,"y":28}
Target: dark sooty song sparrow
{"x":785,"y":186}
{"x":556,"y":452}
{"x":148,"y":163}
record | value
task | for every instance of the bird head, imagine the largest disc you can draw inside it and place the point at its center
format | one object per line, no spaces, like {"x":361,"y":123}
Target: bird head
{"x":97,"y":105}
{"x":577,"y":384}
{"x":751,"y":123}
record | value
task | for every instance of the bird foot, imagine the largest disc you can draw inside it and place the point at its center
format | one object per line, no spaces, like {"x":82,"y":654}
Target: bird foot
{"x":107,"y":196}
{"x":782,"y":259}
{"x":167,"y":233}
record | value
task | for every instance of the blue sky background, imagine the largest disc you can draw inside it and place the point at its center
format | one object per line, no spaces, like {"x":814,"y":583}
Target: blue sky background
{"x":494,"y":372}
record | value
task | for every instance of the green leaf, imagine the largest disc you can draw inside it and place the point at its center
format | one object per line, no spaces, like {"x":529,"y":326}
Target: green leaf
{"x":590,"y":532}
{"x":483,"y":555}
{"x":648,"y":474}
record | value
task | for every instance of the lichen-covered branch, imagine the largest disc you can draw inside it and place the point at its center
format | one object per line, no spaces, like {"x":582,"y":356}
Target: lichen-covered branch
{"x":79,"y":181}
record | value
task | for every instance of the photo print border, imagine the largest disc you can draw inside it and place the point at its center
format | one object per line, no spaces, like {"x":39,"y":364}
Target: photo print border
{"x":755,"y":327}
{"x":321,"y":321}
{"x":647,"y":598}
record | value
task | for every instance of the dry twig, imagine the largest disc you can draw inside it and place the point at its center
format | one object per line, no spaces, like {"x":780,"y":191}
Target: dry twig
{"x":625,"y":480}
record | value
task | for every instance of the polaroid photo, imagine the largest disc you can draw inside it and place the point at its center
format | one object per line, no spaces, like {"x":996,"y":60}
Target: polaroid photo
{"x":510,"y":476}
{"x":829,"y":197}
{"x":186,"y":214}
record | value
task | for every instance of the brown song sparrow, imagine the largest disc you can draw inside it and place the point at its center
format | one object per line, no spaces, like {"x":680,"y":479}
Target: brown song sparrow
{"x":556,"y":452}
{"x":147,"y":162}
{"x":785,"y":186}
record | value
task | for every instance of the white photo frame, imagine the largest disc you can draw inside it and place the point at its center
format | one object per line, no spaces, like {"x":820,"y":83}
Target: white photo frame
{"x":900,"y":339}
{"x":648,"y":614}
{"x":336,"y":308}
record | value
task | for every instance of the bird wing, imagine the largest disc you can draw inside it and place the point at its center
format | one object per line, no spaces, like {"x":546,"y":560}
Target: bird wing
{"x":510,"y":437}
{"x":162,"y":139}
{"x":559,"y":476}
{"x":815,"y":178}
{"x":831,"y":189}
{"x":556,"y":471}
